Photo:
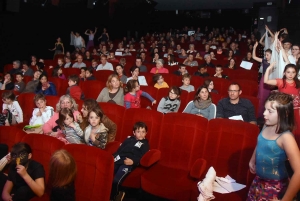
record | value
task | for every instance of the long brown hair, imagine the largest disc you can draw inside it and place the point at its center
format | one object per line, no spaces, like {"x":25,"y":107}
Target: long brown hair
{"x":62,"y":169}
{"x":63,"y":115}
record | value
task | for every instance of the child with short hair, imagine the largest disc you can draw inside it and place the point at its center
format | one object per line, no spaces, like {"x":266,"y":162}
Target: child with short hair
{"x":25,"y":176}
{"x":276,"y":145}
{"x":69,"y":127}
{"x":19,"y":84}
{"x":42,"y":113}
{"x":133,"y":97}
{"x":170,"y":103}
{"x":181,"y":71}
{"x":202,"y":71}
{"x":159,"y":81}
{"x":62,"y":173}
{"x":57,"y":72}
{"x":186,"y":80}
{"x":74,"y":90}
{"x":128,"y":157}
{"x":89,"y":74}
{"x":12,"y":106}
{"x":219,"y":71}
{"x":96,"y":134}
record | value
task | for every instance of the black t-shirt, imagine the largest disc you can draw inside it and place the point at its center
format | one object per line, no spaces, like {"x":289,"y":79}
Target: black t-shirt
{"x":10,"y":86}
{"x":66,"y":193}
{"x":20,"y":189}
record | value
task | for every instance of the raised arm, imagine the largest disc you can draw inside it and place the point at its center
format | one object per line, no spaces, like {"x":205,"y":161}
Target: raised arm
{"x":261,"y":40}
{"x":270,"y":32}
{"x":254,"y":53}
{"x":285,"y":57}
{"x":95,"y":31}
{"x":266,"y":76}
{"x":86,"y":32}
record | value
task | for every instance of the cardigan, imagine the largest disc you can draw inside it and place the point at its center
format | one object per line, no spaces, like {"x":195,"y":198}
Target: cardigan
{"x":104,"y":96}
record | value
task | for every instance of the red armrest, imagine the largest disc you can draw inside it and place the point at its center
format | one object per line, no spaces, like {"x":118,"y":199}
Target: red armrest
{"x":112,"y":147}
{"x":151,"y":157}
{"x":198,"y":168}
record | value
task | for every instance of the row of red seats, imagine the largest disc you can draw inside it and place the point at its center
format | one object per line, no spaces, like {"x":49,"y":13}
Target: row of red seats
{"x":94,"y":166}
{"x":183,"y":147}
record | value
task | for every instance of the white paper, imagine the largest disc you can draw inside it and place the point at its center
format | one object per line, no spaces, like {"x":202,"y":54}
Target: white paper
{"x":246,"y":65}
{"x":219,"y":189}
{"x":230,"y":187}
{"x":118,"y":54}
{"x":236,"y":117}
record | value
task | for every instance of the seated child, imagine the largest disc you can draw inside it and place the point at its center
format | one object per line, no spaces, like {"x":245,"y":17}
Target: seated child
{"x":159,"y":81}
{"x":69,"y":127}
{"x":62,"y":173}
{"x":219,"y":71}
{"x":181,"y":71}
{"x":89,"y":74}
{"x":186,"y":79}
{"x":19,"y":84}
{"x":202,"y":71}
{"x":57,"y":72}
{"x":13,"y":107}
{"x":133,"y":97}
{"x":82,"y":73}
{"x":170,"y":103}
{"x":96,"y":134}
{"x":128,"y":156}
{"x":74,"y":90}
{"x":25,"y":176}
{"x":42,"y":113}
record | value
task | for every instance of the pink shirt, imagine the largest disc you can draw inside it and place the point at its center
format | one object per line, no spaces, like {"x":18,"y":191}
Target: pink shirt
{"x":290,"y":88}
{"x":161,"y":70}
{"x":49,"y":125}
{"x":135,"y":101}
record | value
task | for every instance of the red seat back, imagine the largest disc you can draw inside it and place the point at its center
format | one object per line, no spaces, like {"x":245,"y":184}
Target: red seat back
{"x":11,"y":135}
{"x":94,"y":172}
{"x":27,"y":104}
{"x":92,"y":89}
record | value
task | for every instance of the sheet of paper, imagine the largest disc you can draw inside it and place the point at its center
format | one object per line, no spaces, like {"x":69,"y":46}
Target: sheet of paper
{"x":236,"y":117}
{"x":230,"y":187}
{"x":219,"y":189}
{"x":118,"y":53}
{"x":246,"y":65}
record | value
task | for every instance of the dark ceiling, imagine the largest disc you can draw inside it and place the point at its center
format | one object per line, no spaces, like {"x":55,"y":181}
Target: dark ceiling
{"x":205,"y":4}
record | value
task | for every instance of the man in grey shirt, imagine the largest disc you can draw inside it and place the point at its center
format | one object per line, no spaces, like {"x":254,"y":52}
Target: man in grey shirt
{"x":79,"y":63}
{"x":138,"y":63}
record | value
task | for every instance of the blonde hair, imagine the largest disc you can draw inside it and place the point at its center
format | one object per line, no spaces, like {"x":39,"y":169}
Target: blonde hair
{"x":62,"y":169}
{"x":73,"y":102}
{"x":108,"y":82}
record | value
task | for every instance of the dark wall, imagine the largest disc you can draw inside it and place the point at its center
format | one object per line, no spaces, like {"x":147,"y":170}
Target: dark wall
{"x":34,"y":29}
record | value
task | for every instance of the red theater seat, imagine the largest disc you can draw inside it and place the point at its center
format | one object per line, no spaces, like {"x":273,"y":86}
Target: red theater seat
{"x":52,"y":101}
{"x":152,"y":91}
{"x":27,"y":104}
{"x":102,"y":75}
{"x":43,"y":146}
{"x":11,"y":135}
{"x":94,"y":172}
{"x":92,"y":89}
{"x":181,"y":144}
{"x":228,"y":157}
{"x":249,"y":87}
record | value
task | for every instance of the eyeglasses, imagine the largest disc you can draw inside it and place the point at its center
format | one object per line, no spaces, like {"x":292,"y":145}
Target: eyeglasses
{"x":233,"y":91}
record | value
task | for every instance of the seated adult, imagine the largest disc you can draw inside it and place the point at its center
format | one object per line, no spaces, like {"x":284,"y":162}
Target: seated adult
{"x":120,"y":72}
{"x":104,"y":64}
{"x":65,"y":101}
{"x":138,"y":63}
{"x":26,"y":70}
{"x":183,"y":54}
{"x":16,"y":68}
{"x":135,"y":76}
{"x":202,"y":104}
{"x":192,"y":50}
{"x":156,"y":57}
{"x":111,"y":57}
{"x":159,"y":67}
{"x":171,"y":60}
{"x":189,"y":61}
{"x":249,"y":57}
{"x":45,"y":87}
{"x":31,"y":85}
{"x":84,"y":123}
{"x":79,"y":63}
{"x":233,"y":47}
{"x":234,"y":106}
{"x":207,"y":62}
{"x":231,"y":64}
{"x":8,"y":83}
{"x":181,"y":71}
{"x":113,"y":92}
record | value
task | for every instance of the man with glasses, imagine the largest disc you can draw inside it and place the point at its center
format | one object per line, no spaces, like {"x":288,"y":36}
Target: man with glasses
{"x":235,"y":107}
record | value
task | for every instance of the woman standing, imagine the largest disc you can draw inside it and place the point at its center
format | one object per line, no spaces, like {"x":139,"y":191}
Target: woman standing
{"x":104,"y":36}
{"x":91,"y":35}
{"x":58,"y":47}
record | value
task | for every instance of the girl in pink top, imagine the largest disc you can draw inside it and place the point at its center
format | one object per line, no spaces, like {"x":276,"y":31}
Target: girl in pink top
{"x":159,"y":67}
{"x":289,"y":84}
{"x":133,"y":98}
{"x":65,"y":101}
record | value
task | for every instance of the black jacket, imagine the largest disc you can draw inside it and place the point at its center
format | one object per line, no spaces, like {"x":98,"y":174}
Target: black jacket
{"x":133,"y":149}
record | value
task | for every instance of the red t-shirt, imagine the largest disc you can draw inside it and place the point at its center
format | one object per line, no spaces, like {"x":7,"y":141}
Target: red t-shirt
{"x":135,"y":101}
{"x":290,"y":88}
